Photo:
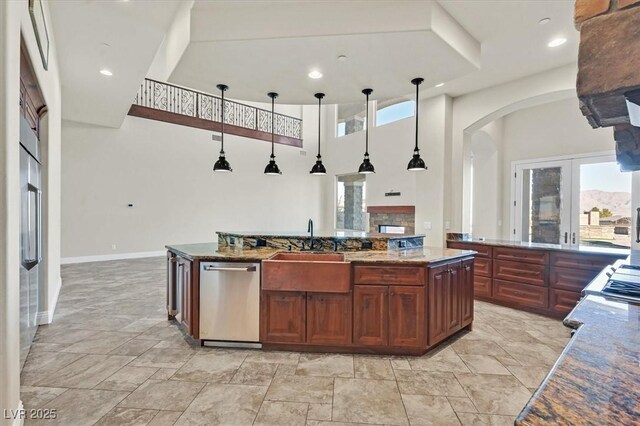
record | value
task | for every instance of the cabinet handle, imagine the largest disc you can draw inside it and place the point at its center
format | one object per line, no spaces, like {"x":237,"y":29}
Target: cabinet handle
{"x":392,"y":293}
{"x":467,"y":267}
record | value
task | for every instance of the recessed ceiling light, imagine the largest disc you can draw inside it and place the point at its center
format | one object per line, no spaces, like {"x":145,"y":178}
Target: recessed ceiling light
{"x":544,"y":21}
{"x":106,"y":72}
{"x":439,"y":85}
{"x":557,"y":42}
{"x":342,"y":58}
{"x":315,"y":74}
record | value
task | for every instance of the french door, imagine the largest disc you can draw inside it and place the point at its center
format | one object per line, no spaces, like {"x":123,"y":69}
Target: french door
{"x":575,"y":201}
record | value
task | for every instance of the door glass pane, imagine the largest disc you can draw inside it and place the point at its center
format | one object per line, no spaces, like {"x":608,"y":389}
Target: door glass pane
{"x":542,"y":205}
{"x":351,"y":209}
{"x":605,"y":205}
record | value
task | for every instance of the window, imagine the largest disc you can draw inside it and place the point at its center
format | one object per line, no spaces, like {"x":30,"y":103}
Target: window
{"x":352,"y":118}
{"x":582,"y":201}
{"x":351,"y":208}
{"x":394,"y":110}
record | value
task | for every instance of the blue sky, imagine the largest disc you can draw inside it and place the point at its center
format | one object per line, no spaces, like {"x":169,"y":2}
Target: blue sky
{"x":605,"y":177}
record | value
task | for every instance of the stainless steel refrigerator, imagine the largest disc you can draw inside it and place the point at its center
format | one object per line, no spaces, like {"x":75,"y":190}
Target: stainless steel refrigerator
{"x":30,"y":235}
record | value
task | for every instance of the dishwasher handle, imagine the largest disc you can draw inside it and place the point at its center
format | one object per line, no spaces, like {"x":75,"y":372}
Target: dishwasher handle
{"x":250,"y":268}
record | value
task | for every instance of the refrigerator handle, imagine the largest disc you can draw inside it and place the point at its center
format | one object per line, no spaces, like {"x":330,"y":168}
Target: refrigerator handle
{"x":638,"y":225}
{"x":34,"y":254}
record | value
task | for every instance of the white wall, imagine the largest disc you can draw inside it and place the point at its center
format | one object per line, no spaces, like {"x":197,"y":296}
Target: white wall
{"x":14,"y":18}
{"x":165,"y":170}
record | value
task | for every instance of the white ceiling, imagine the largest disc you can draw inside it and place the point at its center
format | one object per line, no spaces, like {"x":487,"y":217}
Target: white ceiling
{"x":132,"y":32}
{"x":258,"y":46}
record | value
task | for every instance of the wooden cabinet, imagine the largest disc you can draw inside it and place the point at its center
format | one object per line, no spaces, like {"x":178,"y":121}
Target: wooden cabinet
{"x":283,"y":317}
{"x":562,"y":301}
{"x":483,"y":250}
{"x":574,"y":280}
{"x":520,"y":294}
{"x":406,"y":316}
{"x":389,"y":275}
{"x":467,"y":285}
{"x":438,"y":294}
{"x":370,"y":308}
{"x":540,"y":257}
{"x":452,"y":297}
{"x":525,"y":273}
{"x":328,"y":318}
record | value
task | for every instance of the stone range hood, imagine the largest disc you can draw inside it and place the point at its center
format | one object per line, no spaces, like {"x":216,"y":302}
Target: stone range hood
{"x":608,"y":82}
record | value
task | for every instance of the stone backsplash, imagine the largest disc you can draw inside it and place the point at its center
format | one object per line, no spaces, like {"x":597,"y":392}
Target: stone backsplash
{"x":392,"y":215}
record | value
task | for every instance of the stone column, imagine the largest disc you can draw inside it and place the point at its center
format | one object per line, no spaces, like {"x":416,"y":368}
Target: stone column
{"x":353,"y":206}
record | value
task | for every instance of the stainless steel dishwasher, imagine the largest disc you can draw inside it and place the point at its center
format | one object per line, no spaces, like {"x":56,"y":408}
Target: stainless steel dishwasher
{"x":230,"y":304}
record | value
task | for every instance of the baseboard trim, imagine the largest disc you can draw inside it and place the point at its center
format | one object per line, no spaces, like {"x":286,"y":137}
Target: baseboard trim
{"x":18,"y":420}
{"x":46,"y":317}
{"x":107,"y":257}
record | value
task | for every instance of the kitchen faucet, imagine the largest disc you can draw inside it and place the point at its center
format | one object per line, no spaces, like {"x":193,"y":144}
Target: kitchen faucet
{"x":310,"y":230}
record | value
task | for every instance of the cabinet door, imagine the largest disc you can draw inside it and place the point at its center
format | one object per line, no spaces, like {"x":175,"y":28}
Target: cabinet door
{"x":186,"y":311}
{"x":329,"y":318}
{"x":466,"y":292}
{"x":438,"y":289}
{"x":453,"y":298}
{"x":283,"y":317}
{"x":370,"y":311}
{"x":406,"y":316}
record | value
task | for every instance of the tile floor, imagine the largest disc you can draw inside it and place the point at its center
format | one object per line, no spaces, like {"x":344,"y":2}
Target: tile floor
{"x":111,"y":358}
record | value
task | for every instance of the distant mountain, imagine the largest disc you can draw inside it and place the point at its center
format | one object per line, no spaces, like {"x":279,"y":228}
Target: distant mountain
{"x":618,"y":202}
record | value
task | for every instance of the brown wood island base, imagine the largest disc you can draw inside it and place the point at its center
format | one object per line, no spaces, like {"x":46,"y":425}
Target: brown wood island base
{"x":395,"y":303}
{"x":546,"y":279}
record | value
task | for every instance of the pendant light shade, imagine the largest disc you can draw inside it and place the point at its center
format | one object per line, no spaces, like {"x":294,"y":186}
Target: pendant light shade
{"x":366,"y":167}
{"x":272,"y":168}
{"x":416,"y":164}
{"x":222,"y":165}
{"x":318,"y":168}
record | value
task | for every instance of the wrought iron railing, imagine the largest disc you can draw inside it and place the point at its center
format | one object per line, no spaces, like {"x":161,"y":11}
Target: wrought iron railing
{"x":179,"y":100}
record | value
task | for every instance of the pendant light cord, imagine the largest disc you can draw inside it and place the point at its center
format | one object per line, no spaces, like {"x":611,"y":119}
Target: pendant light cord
{"x":366,"y":133}
{"x":222,"y":121}
{"x":417,"y":103}
{"x":273,"y":129}
{"x":319,"y":117}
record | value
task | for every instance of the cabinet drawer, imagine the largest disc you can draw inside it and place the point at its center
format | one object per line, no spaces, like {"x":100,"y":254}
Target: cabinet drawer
{"x":482,"y":286}
{"x":525,"y":273}
{"x":521,"y":255}
{"x":581,"y":261}
{"x":482,"y":267}
{"x":410,"y":275}
{"x":562,"y":301}
{"x":520,"y":294}
{"x":570,"y":279}
{"x":483,"y":250}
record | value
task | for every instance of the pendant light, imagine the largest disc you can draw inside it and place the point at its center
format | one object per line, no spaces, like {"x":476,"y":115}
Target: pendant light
{"x":366,"y":167}
{"x":222,"y":165}
{"x":416,"y":164}
{"x":318,"y":168}
{"x":272,"y":168}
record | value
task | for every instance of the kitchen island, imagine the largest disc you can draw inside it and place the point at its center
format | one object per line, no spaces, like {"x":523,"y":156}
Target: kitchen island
{"x":403,"y":301}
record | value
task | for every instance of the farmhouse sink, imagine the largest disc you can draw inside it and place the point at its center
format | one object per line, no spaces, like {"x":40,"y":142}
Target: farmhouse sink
{"x":314,"y":272}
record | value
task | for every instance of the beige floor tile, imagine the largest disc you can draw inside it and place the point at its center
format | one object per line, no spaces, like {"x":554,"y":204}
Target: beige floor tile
{"x":40,"y":364}
{"x":273,"y":357}
{"x":162,"y":332}
{"x":47,"y":347}
{"x":127,"y":378}
{"x":484,"y":364}
{"x":120,"y":416}
{"x":530,"y":376}
{"x":471,"y":419}
{"x":86,"y":372}
{"x":428,"y":383}
{"x":373,"y":368}
{"x":140,"y":325}
{"x":368,"y":401}
{"x":34,"y":396}
{"x":214,"y":367}
{"x":478,"y":347}
{"x":494,"y":394}
{"x":101,"y":342}
{"x":80,"y":407}
{"x":529,"y":354}
{"x":301,"y":389}
{"x":444,"y":360}
{"x":163,"y":395}
{"x":163,"y":374}
{"x":165,"y":418}
{"x":325,"y":365}
{"x":429,"y":410}
{"x":400,"y":364}
{"x":224,"y":404}
{"x":462,"y":404}
{"x":61,"y":335}
{"x":276,"y":413}
{"x":319,"y":412}
{"x":134,"y":347}
{"x":255,"y":373}
{"x":164,"y":358}
{"x":286,"y":369}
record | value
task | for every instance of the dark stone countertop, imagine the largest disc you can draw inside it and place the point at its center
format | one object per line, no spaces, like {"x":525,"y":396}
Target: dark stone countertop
{"x":422,"y":255}
{"x":320,"y":234}
{"x":541,"y":246}
{"x":596,"y":380}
